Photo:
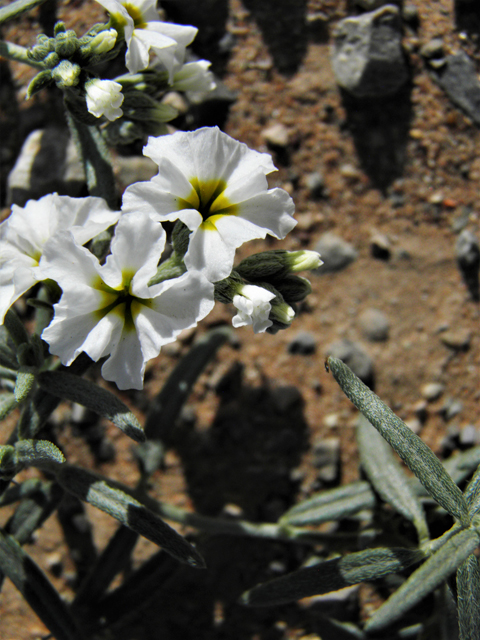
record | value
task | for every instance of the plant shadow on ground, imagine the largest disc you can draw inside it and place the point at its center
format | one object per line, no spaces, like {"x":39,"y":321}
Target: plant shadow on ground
{"x":380,"y":130}
{"x":246,"y":458}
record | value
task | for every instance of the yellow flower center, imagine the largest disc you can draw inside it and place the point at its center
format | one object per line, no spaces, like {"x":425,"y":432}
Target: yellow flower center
{"x":209,"y":199}
{"x":136,"y":15}
{"x":120,"y":301}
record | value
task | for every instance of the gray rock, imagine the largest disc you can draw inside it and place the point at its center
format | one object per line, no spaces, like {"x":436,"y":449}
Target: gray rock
{"x":326,"y":458}
{"x":367,"y":55}
{"x":458,"y":78}
{"x":354,"y":356}
{"x":469,"y":436}
{"x":432,"y":49}
{"x":315,"y":184}
{"x":374,"y":325}
{"x":48,"y":162}
{"x":451,"y":408}
{"x":304,"y":343}
{"x":468,"y":260}
{"x":336,"y":253}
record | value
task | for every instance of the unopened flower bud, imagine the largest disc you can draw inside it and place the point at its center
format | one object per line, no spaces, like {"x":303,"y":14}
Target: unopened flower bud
{"x":51,"y":60}
{"x":104,"y":98}
{"x":294,"y":288}
{"x":103,"y":42}
{"x":254,"y":307}
{"x":303,"y":260}
{"x":44,"y":46}
{"x":66,"y":74}
{"x":59,"y":27}
{"x":282,"y":314}
{"x":66,"y":43}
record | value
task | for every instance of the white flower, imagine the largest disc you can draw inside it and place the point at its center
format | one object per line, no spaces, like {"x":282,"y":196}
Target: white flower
{"x":24,"y":235}
{"x":217,"y":187}
{"x":104,"y":98}
{"x":253,"y":304}
{"x":145,"y":32}
{"x":194,"y":77}
{"x":111,"y":310}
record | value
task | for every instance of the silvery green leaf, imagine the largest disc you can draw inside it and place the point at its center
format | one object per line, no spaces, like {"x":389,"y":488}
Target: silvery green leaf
{"x":36,"y":589}
{"x":27,"y":489}
{"x":112,"y":560}
{"x":332,"y":575}
{"x":32,"y":512}
{"x":461,"y":464}
{"x":15,"y":328}
{"x":468,"y":598}
{"x":7,"y":373}
{"x":15,"y":9}
{"x":117,"y":502}
{"x":472,"y":493}
{"x":331,"y":505}
{"x":388,"y":477}
{"x":24,"y":384}
{"x":425,"y":579}
{"x":71,"y":387}
{"x":419,"y":458}
{"x":7,"y":404}
{"x":42,"y":404}
{"x":37,"y":453}
{"x":139,"y":589}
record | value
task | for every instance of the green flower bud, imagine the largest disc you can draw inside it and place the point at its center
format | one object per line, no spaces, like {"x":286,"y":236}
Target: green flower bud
{"x":122,"y":131}
{"x":41,"y":80}
{"x":103,"y":41}
{"x":276,"y":265}
{"x":66,"y":43}
{"x":52,"y":60}
{"x":294,"y":288}
{"x":59,"y":28}
{"x":66,"y":74}
{"x":227,"y":289}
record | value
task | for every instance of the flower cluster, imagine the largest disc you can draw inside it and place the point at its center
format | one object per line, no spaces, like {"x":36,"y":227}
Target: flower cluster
{"x":142,"y":297}
{"x":155,"y":58}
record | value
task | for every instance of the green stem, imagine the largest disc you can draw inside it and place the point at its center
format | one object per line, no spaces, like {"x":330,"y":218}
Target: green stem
{"x":96,"y":160}
{"x":19,"y":54}
{"x":15,"y":9}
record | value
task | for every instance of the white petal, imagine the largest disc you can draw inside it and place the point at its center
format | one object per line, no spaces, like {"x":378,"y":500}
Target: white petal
{"x":271,"y":211}
{"x":210,"y":253}
{"x":138,"y":52}
{"x":126,"y":364}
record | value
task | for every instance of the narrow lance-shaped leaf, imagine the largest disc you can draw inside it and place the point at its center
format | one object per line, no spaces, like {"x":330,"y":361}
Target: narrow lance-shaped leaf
{"x":331,"y":505}
{"x":387,"y":476}
{"x":24,"y":384}
{"x":71,"y":387}
{"x":36,"y":589}
{"x":472,"y":493}
{"x":468,"y":598}
{"x":412,"y":450}
{"x":15,"y":9}
{"x":15,"y":328}
{"x":425,"y":579}
{"x":332,"y":575}
{"x":108,"y":497}
{"x":8,"y":403}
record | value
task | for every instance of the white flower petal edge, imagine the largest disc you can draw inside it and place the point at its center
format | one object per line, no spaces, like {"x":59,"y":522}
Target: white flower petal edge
{"x":145,"y":32}
{"x":194,"y":77}
{"x":25,"y":233}
{"x":111,"y":310}
{"x":218,"y":188}
{"x":253,"y":304}
{"x":104,"y":97}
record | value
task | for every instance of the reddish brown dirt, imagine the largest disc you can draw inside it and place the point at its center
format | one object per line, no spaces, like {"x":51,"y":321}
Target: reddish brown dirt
{"x":420,"y":288}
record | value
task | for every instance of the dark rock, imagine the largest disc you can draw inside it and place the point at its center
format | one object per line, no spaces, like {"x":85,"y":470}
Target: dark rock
{"x":458,"y":78}
{"x":468,"y":260}
{"x":304,"y":344}
{"x":367,"y":56}
{"x":336,"y":253}
{"x":353,"y":355}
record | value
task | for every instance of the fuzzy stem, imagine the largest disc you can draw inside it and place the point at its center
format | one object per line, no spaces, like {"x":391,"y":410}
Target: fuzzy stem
{"x":16,"y":52}
{"x":15,"y":9}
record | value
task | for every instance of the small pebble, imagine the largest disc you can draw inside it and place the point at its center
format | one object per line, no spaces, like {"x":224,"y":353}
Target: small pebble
{"x":469,"y":436}
{"x":451,"y":408}
{"x":432,"y":391}
{"x":336,"y":253}
{"x":380,"y":246}
{"x":354,"y":356}
{"x":374,"y":325}
{"x":432,"y":49}
{"x":458,"y":339}
{"x":277,"y":135}
{"x":315,"y":184}
{"x":304,"y":344}
{"x":326,"y":458}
